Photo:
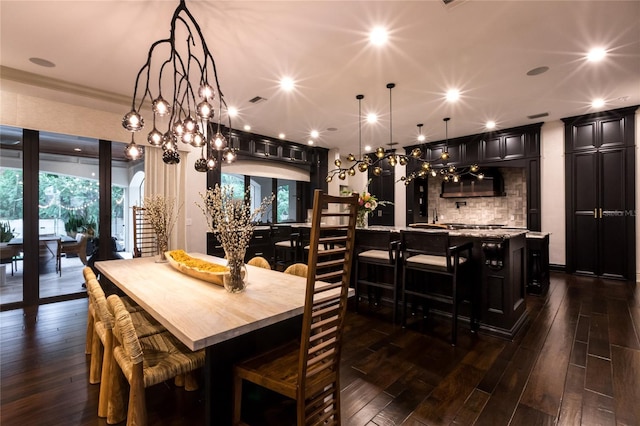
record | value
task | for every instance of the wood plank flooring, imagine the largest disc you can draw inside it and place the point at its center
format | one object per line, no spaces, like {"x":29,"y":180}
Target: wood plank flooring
{"x":576,"y":362}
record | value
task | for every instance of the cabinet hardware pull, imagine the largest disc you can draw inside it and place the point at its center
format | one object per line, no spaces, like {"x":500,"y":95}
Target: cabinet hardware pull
{"x":600,"y":212}
{"x":595,"y":213}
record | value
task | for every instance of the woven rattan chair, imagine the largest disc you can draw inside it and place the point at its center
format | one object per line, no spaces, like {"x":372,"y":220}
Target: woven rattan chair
{"x":131,"y":306}
{"x":308,"y":370}
{"x":144,"y":362}
{"x":102,"y":341}
{"x":299,"y":269}
{"x":260,"y":262}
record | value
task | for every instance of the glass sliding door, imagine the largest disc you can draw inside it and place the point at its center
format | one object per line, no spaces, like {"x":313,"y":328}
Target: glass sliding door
{"x":11,"y":215}
{"x":68,"y":211}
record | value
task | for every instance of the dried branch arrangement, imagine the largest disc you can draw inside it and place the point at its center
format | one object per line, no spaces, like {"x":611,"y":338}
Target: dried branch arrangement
{"x":159,"y":213}
{"x":231,"y":219}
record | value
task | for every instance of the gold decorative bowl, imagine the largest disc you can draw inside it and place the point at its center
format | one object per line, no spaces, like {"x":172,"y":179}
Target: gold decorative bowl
{"x":197,"y":268}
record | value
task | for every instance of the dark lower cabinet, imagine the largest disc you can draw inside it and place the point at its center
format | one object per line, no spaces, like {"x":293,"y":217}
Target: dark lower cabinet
{"x":259,"y":245}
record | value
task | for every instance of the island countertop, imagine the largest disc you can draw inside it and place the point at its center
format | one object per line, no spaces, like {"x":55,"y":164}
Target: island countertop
{"x":504,"y":233}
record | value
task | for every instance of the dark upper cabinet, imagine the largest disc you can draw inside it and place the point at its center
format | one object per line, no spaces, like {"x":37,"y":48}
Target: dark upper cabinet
{"x":505,"y":147}
{"x":514,"y":146}
{"x":265,"y":148}
{"x":257,"y":147}
{"x":492,"y":149}
{"x":605,"y":132}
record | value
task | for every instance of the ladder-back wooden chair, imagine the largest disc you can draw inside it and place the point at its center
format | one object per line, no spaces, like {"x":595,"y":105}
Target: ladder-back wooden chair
{"x":144,"y":238}
{"x":308,"y":371}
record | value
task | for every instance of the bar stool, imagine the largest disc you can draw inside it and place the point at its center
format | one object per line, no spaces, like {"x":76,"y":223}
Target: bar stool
{"x":286,"y":246}
{"x":377,"y":266}
{"x":431,"y":255}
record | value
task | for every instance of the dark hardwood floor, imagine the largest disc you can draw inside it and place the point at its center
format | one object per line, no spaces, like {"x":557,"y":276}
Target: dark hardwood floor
{"x":576,"y":362}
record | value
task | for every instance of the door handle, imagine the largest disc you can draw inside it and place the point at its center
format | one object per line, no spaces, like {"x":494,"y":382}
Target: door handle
{"x":600,"y":212}
{"x":595,"y":213}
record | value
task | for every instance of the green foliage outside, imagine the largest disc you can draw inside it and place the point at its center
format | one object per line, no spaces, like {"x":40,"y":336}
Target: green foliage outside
{"x":72,"y":199}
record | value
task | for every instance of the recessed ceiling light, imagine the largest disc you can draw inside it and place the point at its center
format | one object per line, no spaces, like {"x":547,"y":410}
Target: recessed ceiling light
{"x":287,"y":84}
{"x":232,"y":111}
{"x":246,"y":127}
{"x":372,"y":118}
{"x":42,"y":62}
{"x":491,"y":124}
{"x":537,"y":71}
{"x":378,"y":36}
{"x":282,"y":135}
{"x":314,"y":134}
{"x":597,"y":103}
{"x":596,"y":54}
{"x":453,"y":95}
{"x":310,"y":142}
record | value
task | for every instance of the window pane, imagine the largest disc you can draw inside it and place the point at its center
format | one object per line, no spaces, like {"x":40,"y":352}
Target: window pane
{"x":234,"y":181}
{"x":127,"y":184}
{"x":286,"y":201}
{"x":261,"y":188}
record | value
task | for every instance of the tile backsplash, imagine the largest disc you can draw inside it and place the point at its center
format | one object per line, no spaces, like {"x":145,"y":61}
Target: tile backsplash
{"x":510,"y":210}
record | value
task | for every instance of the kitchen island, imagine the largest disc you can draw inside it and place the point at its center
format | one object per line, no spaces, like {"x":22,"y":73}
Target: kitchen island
{"x":499,"y":264}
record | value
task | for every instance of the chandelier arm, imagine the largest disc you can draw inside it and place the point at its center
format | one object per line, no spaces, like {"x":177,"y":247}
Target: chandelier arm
{"x":147,"y":66}
{"x":207,"y":53}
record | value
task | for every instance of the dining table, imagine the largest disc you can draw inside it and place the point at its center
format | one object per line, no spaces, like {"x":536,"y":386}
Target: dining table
{"x":203,"y":315}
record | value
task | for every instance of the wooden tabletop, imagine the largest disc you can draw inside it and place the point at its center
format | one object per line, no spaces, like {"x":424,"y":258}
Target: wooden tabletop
{"x":199,"y":313}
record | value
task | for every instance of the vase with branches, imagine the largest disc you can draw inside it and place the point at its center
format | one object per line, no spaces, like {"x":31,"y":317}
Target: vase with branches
{"x":232,"y":221}
{"x":161,"y":214}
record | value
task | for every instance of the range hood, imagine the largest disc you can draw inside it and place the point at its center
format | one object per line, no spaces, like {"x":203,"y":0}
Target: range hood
{"x":469,"y":186}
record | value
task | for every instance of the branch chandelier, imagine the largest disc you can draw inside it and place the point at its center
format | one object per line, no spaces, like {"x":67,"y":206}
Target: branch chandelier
{"x":434,"y":167}
{"x":189,"y":74}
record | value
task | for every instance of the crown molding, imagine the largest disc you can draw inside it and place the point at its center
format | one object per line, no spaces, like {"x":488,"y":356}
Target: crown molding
{"x":31,"y":79}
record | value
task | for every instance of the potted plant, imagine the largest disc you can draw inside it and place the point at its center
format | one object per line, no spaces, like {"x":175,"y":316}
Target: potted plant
{"x":73,"y":224}
{"x":6,"y":233}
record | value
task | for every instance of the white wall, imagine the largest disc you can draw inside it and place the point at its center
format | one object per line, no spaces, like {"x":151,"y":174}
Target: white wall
{"x":552,"y":189}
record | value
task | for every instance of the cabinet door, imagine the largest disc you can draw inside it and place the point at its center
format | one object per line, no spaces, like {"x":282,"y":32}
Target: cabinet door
{"x":612,"y":133}
{"x":514,"y":146}
{"x":492,"y":149}
{"x":583,"y":136}
{"x":585,"y":200}
{"x":612,"y":214}
{"x":383,"y":187}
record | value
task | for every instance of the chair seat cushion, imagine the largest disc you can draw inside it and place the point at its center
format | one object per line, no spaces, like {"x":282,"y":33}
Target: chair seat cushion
{"x":431,"y":260}
{"x":164,"y":357}
{"x":285,"y":244}
{"x":379,"y":255}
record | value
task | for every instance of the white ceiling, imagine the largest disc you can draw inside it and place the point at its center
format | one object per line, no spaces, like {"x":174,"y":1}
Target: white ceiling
{"x":484,"y":48}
